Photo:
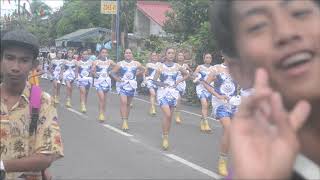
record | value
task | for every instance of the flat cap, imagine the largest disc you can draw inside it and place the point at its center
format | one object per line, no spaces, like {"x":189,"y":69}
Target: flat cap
{"x":21,"y":38}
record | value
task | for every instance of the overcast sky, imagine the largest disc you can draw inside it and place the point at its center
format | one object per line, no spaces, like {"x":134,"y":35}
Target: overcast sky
{"x":7,"y":7}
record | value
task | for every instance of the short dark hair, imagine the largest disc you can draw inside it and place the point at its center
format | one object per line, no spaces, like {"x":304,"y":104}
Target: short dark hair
{"x":20,"y":38}
{"x":103,"y":49}
{"x":221,"y":25}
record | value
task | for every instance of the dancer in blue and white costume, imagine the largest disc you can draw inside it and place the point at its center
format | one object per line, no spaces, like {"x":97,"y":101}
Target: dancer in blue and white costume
{"x":84,"y":79}
{"x":181,"y":87}
{"x":201,"y":73}
{"x":125,"y":73}
{"x":69,"y":75}
{"x":152,"y":67}
{"x":102,"y":81}
{"x":168,"y":95}
{"x":226,"y":95}
{"x":56,"y":75}
{"x":45,"y":67}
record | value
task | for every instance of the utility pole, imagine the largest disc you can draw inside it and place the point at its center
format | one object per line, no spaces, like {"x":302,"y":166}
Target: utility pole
{"x":118,"y":33}
{"x":19,"y":10}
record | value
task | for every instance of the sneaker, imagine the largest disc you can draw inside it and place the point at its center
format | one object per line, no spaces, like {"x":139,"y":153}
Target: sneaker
{"x":222,"y":167}
{"x":83,"y":108}
{"x":207,"y":126}
{"x":125,"y":126}
{"x":68,"y":103}
{"x":101,"y":117}
{"x":165,"y":142}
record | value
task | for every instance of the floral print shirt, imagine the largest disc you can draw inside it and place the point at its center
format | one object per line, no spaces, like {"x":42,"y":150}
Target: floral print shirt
{"x":14,"y":131}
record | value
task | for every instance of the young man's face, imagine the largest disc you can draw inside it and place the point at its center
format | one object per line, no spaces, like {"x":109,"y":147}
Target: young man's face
{"x":283,"y":37}
{"x":16,"y":63}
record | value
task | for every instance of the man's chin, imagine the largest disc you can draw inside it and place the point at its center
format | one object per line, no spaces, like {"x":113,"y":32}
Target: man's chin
{"x":16,"y":82}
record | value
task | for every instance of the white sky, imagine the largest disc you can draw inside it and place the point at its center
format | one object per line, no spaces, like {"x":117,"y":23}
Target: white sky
{"x":7,"y":8}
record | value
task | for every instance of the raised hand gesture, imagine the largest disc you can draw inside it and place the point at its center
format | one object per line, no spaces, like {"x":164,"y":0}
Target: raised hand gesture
{"x":264,"y":139}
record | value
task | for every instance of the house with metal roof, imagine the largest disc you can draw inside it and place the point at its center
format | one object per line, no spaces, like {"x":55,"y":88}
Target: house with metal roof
{"x":82,"y":37}
{"x":150,"y":17}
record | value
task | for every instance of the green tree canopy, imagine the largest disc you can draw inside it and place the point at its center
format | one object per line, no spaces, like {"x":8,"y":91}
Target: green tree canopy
{"x":186,"y":17}
{"x":189,"y":23}
{"x":81,"y":14}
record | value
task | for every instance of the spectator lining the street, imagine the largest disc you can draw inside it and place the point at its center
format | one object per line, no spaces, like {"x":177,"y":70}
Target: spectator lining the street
{"x":26,"y":149}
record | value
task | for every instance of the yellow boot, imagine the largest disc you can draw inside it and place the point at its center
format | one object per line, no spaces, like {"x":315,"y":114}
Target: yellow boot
{"x":125,"y":126}
{"x":165,"y":142}
{"x":178,"y":117}
{"x":207,"y":126}
{"x":222,"y":167}
{"x":83,"y":108}
{"x":101,"y":117}
{"x":68,"y":103}
{"x":152,"y":110}
{"x":202,"y":128}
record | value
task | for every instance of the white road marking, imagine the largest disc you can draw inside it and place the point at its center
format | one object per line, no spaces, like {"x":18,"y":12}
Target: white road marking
{"x":117,"y":130}
{"x":197,"y":115}
{"x":77,"y":112}
{"x":188,"y":112}
{"x":194,"y":166}
{"x":143,"y":100}
{"x":172,"y":156}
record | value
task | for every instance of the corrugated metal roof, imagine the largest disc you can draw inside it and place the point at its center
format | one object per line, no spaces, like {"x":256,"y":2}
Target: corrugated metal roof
{"x":154,"y":10}
{"x":81,"y":33}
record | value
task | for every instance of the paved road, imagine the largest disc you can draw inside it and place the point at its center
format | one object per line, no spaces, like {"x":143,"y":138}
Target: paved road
{"x":96,"y":150}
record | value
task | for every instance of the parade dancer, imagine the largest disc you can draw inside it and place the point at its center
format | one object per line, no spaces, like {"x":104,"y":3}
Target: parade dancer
{"x":127,"y":69}
{"x":167,"y":94}
{"x":56,"y":74}
{"x":69,"y":76}
{"x":181,"y":87}
{"x":102,"y":81}
{"x":151,"y":67}
{"x":201,"y":73}
{"x":84,"y":79}
{"x":226,"y":95}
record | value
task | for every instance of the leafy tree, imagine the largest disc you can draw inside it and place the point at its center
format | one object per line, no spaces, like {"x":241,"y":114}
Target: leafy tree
{"x":81,"y":14}
{"x":186,"y":17}
{"x":189,"y":23}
